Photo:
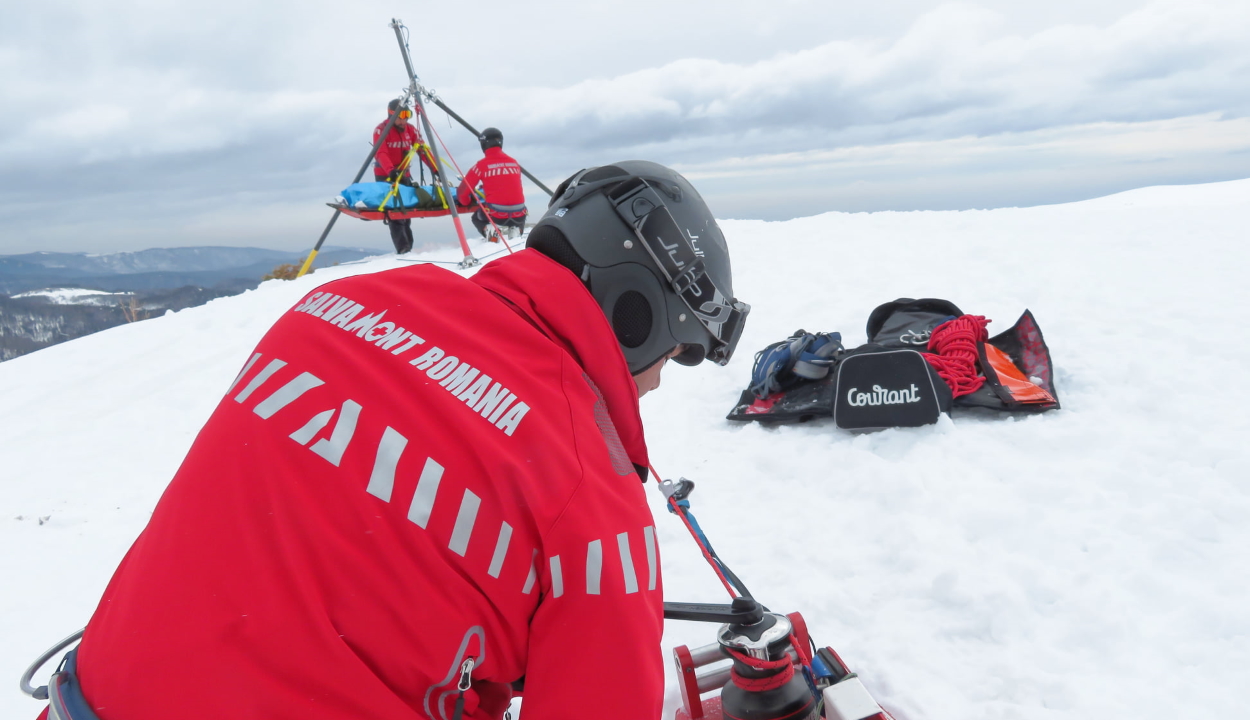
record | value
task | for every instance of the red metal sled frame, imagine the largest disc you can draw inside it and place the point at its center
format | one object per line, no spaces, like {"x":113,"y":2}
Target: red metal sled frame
{"x":693,"y":706}
{"x":848,"y":706}
{"x":397,"y":214}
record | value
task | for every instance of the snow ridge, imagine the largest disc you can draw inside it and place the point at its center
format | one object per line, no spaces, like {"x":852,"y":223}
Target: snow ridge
{"x":1089,"y":562}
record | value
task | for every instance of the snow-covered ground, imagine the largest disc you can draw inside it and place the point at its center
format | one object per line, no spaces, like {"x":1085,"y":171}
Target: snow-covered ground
{"x":76,"y":296}
{"x":1092,"y":562}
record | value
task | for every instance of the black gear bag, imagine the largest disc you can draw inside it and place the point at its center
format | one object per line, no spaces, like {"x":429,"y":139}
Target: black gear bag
{"x":877,"y":387}
{"x":889,"y":383}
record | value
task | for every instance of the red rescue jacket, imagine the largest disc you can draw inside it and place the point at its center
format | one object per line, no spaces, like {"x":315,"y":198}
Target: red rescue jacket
{"x":411,"y":469}
{"x":391,"y":153}
{"x":500,"y":178}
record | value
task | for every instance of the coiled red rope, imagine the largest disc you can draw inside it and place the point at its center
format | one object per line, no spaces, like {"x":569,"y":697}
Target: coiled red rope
{"x":953,"y":352}
{"x":772,"y":682}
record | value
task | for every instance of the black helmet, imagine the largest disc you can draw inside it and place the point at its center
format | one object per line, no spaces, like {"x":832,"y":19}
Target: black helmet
{"x":646,"y":245}
{"x":489,"y":138}
{"x":393,"y":105}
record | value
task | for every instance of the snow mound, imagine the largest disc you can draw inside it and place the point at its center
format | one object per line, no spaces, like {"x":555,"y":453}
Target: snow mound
{"x":1089,"y":562}
{"x":74,"y":296}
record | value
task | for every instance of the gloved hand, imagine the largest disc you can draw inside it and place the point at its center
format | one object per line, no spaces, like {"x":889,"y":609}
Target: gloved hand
{"x":393,"y":176}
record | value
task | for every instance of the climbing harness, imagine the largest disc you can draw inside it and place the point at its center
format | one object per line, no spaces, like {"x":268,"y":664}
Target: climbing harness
{"x":802,"y":356}
{"x":403,"y":169}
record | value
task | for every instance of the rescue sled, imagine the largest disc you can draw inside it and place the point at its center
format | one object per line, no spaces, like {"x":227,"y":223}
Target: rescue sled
{"x":384,"y":201}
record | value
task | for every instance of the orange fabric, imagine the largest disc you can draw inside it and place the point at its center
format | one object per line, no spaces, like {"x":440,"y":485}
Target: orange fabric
{"x":1010,"y":377}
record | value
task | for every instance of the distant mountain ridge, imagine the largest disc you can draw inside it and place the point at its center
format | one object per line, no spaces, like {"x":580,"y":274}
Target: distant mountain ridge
{"x":156,"y":269}
{"x":152,"y":260}
{"x":149,"y":283}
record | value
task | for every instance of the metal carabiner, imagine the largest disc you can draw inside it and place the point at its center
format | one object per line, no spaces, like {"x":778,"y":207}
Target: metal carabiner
{"x":911,"y":337}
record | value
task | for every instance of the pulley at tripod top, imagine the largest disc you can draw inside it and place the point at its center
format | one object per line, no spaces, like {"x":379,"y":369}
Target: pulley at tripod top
{"x":766,"y":639}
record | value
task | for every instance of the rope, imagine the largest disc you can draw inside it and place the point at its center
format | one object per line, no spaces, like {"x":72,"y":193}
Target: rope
{"x":703,"y":547}
{"x":764,"y":684}
{"x":403,"y":169}
{"x":804,"y":652}
{"x":451,"y":263}
{"x":460,"y":173}
{"x":953,"y":352}
{"x":681,"y":509}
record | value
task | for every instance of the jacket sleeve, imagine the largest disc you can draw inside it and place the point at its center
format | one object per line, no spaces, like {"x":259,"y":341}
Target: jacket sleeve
{"x":464,"y":193}
{"x":595,"y":638}
{"x":382,"y":161}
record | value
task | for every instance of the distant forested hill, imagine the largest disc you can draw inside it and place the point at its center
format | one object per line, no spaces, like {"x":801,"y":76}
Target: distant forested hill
{"x":128,"y":287}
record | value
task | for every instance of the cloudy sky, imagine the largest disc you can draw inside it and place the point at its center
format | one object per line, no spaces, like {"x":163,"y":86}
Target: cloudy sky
{"x":127,"y":124}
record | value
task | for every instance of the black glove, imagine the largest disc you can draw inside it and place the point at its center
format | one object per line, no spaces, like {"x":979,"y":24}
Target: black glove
{"x":395,"y":175}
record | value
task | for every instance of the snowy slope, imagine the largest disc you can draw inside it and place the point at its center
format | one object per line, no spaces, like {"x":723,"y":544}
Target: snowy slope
{"x":1090,"y":562}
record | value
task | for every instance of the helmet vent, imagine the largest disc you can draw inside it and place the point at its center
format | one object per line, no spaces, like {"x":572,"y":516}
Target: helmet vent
{"x":631,"y":318}
{"x":602,"y":173}
{"x":561,"y":189}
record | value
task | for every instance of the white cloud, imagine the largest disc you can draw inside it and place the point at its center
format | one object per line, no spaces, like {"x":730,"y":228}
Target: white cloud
{"x":1007,"y":169}
{"x":953,"y":73}
{"x":1105,"y":142}
{"x":172,"y":101}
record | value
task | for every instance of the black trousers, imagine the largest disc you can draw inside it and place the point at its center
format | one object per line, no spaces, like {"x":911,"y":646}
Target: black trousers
{"x":481,"y":222}
{"x":401,"y":230}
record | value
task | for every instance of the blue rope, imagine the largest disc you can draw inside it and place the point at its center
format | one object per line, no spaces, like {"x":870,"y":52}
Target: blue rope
{"x":698,"y":531}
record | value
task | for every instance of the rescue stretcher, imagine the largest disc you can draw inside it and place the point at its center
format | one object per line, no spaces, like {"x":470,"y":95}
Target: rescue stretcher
{"x":379,"y":201}
{"x":400,"y":214}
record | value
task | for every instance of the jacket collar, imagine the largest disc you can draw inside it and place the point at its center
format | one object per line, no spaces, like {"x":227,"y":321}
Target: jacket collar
{"x":553,"y":300}
{"x":396,"y":128}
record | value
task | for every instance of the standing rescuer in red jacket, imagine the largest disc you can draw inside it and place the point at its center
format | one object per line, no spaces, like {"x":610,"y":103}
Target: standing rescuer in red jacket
{"x":420,"y":483}
{"x":503,"y":198}
{"x":401,"y":138}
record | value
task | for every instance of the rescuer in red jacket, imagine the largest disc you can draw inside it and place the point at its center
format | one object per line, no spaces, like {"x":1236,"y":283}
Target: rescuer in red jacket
{"x":403,"y":136}
{"x":502,"y":197}
{"x":420,"y":483}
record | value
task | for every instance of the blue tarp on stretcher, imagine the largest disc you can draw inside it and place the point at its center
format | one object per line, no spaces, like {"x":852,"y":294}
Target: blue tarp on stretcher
{"x":362,"y":200}
{"x":370,"y":195}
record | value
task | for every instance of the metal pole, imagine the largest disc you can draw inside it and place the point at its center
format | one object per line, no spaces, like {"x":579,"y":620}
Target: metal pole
{"x":390,"y":122}
{"x":469,"y":260}
{"x":473,"y":130}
